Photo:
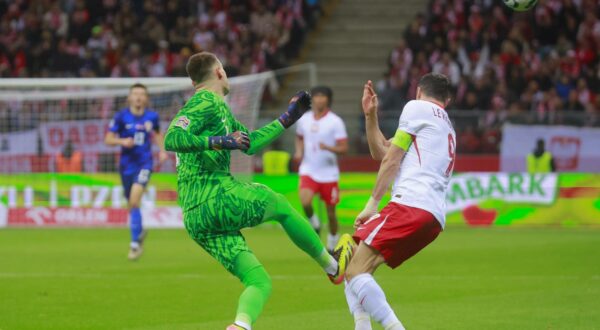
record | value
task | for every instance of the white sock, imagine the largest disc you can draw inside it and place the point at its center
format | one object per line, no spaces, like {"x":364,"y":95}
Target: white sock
{"x":315,"y":222}
{"x":396,"y":326}
{"x":134,"y":245}
{"x":243,"y":321}
{"x":243,"y":325}
{"x":362,"y":320}
{"x":372,"y":299}
{"x":332,"y":241}
{"x":328,"y":262}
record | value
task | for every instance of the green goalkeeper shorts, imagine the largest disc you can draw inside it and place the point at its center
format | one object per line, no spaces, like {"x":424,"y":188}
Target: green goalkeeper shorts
{"x":215,"y":224}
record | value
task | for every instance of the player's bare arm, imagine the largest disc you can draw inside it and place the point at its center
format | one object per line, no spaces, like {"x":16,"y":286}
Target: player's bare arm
{"x":299,"y":145}
{"x":378,"y":144}
{"x":112,"y":139}
{"x":390,"y":166}
{"x":340,"y":147}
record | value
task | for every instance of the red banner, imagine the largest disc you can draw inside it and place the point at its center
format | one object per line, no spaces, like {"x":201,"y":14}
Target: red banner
{"x":90,"y":217}
{"x":66,"y":217}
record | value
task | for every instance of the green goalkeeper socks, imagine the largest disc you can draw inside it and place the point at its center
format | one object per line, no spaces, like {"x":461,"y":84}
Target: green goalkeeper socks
{"x":254,"y":276}
{"x":302,"y":234}
{"x":258,"y":288}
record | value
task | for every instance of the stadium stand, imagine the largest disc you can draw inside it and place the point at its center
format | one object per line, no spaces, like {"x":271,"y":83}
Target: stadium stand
{"x":79,"y":38}
{"x":538,"y":67}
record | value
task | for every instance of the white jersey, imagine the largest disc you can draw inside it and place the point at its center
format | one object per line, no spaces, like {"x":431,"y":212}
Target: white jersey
{"x":321,"y":165}
{"x":427,"y":166}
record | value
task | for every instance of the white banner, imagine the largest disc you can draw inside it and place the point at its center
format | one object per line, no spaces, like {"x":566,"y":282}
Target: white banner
{"x":469,"y":189}
{"x":574,"y":149}
{"x":18,"y":143}
{"x":86,"y":135}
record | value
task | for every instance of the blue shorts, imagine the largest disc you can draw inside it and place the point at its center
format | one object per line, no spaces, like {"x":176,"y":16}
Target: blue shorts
{"x":142,"y":176}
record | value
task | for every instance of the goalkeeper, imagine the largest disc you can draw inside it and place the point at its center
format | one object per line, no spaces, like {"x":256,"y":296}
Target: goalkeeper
{"x":216,"y":206}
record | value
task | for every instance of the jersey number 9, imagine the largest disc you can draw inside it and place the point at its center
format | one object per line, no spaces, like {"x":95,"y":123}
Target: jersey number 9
{"x":451,"y":154}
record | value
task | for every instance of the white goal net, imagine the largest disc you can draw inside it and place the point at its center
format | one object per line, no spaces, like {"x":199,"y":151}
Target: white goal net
{"x":39,"y":117}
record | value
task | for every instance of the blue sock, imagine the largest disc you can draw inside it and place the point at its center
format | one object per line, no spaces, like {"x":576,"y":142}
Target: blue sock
{"x":135,"y":224}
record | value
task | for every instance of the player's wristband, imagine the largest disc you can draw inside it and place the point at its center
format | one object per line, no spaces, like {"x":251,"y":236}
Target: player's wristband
{"x":229,"y":142}
{"x":222,"y":142}
{"x":215,"y":142}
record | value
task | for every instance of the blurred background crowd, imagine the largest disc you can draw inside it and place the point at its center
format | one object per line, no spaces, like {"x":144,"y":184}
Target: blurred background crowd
{"x":538,"y":67}
{"x":111,"y":38}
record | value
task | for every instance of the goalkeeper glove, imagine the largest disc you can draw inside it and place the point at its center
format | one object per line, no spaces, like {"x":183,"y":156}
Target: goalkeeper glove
{"x":236,"y":140}
{"x":299,"y":104}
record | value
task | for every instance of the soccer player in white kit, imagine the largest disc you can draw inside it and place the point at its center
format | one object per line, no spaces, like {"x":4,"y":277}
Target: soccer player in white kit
{"x":419,"y":160}
{"x":321,"y":136}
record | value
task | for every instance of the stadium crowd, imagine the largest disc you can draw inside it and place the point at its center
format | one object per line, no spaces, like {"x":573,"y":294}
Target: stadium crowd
{"x":538,"y":67}
{"x":535,"y":67}
{"x":111,"y":38}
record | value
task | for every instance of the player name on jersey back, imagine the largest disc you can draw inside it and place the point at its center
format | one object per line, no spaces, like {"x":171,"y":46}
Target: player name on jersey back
{"x":427,"y":166}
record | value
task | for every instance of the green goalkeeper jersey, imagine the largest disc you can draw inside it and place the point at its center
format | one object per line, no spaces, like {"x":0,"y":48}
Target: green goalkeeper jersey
{"x":202,"y":172}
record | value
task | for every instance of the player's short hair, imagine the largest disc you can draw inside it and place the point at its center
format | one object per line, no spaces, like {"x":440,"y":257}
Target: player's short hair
{"x":139,"y":85}
{"x":436,"y":85}
{"x":200,"y":65}
{"x":323,"y":90}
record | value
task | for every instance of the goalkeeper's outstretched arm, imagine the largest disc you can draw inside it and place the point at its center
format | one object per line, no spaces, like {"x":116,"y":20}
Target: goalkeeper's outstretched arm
{"x":265,"y":135}
{"x":261,"y":137}
{"x":178,"y":139}
{"x":182,"y":141}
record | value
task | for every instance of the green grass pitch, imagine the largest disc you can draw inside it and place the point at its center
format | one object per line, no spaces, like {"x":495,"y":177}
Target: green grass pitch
{"x":492,"y":278}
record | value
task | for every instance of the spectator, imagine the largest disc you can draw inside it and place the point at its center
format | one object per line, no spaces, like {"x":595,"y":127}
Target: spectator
{"x":448,"y":67}
{"x":203,"y":38}
{"x":262,"y":21}
{"x":57,"y":21}
{"x":69,"y":160}
{"x":541,"y":64}
{"x":56,"y":38}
